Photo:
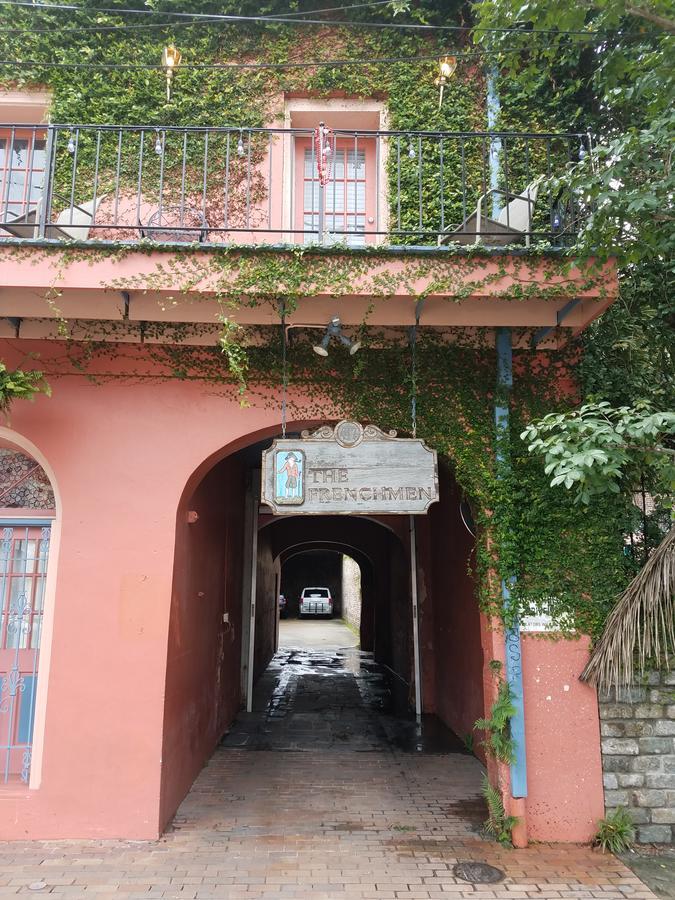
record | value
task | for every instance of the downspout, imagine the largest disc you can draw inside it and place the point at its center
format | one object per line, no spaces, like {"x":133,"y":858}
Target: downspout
{"x":514,"y":668}
{"x":495,"y":148}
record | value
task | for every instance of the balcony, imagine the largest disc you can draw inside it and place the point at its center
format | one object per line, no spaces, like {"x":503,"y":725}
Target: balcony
{"x":155,"y":234}
{"x":272,"y":186}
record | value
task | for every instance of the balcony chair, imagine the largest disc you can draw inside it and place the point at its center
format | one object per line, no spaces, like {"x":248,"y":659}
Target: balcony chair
{"x":175,"y":224}
{"x":512,"y":223}
{"x":72,"y":223}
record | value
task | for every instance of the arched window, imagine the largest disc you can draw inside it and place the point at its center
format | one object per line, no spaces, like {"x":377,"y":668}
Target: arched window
{"x":26,"y":512}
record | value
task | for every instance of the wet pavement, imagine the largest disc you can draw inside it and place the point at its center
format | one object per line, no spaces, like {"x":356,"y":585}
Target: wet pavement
{"x":656,"y":867}
{"x":316,"y":634}
{"x":316,"y":700}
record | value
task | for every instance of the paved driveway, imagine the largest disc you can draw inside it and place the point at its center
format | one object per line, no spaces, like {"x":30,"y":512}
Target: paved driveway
{"x":316,"y":633}
{"x":322,"y":792}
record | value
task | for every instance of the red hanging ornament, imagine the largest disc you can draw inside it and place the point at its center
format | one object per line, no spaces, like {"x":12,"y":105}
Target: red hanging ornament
{"x":324,"y":152}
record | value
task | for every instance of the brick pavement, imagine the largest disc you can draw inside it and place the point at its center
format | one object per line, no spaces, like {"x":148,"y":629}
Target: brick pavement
{"x":328,"y":825}
{"x":351,"y":818}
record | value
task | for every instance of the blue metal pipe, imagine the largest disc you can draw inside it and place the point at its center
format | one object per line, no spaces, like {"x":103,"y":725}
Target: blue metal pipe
{"x":514,"y":659}
{"x":495,"y":149}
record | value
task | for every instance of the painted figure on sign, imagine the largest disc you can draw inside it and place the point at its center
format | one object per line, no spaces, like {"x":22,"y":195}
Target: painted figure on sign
{"x":293,"y":475}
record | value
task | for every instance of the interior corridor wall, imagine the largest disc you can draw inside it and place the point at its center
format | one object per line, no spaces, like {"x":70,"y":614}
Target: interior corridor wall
{"x":393,"y":616}
{"x":451,"y":619}
{"x":204,"y":652}
{"x":268,"y":580}
{"x":351,"y":592}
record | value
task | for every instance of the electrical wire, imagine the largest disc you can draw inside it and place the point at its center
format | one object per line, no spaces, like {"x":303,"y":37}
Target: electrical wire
{"x":63,"y":7}
{"x":4,"y":63}
{"x":305,"y":12}
{"x":207,"y":20}
{"x":147,"y":26}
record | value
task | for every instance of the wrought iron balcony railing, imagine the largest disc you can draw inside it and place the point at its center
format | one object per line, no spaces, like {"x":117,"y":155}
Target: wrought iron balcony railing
{"x":284,"y":186}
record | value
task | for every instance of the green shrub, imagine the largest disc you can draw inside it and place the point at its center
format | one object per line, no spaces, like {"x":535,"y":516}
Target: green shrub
{"x":616,"y":831}
{"x":498,"y":824}
{"x":19,"y":385}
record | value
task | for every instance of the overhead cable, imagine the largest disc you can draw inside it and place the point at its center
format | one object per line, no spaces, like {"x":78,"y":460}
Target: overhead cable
{"x":207,"y":20}
{"x":307,"y":64}
{"x":272,"y":19}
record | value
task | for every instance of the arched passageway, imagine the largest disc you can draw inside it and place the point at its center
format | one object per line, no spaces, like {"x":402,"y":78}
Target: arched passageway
{"x":232,"y":557}
{"x":378,"y":546}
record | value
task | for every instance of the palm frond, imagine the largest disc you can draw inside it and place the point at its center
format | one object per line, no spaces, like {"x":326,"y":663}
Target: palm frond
{"x":641,"y":625}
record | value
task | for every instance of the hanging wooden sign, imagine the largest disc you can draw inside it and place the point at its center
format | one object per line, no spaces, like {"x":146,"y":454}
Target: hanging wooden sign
{"x":349,"y":469}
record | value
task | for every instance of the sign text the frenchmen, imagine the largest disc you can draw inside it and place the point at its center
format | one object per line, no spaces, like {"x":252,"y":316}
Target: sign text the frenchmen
{"x":349,"y":469}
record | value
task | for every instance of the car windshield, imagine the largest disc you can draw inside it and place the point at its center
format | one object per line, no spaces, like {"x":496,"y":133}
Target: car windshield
{"x":316,"y":592}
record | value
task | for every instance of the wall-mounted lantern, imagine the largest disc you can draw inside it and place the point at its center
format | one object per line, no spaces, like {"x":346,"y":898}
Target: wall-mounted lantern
{"x":446,"y":69}
{"x":171,"y":58}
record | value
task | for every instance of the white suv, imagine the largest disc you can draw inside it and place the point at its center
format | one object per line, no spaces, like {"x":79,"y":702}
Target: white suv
{"x":316,"y":601}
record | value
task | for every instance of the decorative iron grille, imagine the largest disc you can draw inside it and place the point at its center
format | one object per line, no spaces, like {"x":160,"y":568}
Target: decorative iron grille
{"x":23,"y":482}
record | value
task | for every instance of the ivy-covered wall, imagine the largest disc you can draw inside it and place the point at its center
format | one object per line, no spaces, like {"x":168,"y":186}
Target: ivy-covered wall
{"x":568,"y":557}
{"x":249,"y":98}
{"x":238,"y":97}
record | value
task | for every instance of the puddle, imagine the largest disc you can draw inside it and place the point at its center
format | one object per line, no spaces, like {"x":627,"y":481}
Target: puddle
{"x":322,"y":699}
{"x":471,"y":809}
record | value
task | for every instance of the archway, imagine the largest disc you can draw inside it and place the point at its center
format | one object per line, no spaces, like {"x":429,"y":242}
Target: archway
{"x":378,"y":546}
{"x":352,"y":572}
{"x":224,"y":616}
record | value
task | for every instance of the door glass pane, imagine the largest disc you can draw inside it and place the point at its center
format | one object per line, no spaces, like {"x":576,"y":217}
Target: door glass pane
{"x":344,"y":196}
{"x":356,"y":164}
{"x":22,"y":172}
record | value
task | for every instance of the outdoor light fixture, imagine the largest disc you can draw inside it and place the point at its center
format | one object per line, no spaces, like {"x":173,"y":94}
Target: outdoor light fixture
{"x":171,"y":58}
{"x":334,"y":330}
{"x":71,"y":145}
{"x":412,"y":152}
{"x":446,"y":69}
{"x":240,"y":144}
{"x":158,"y":144}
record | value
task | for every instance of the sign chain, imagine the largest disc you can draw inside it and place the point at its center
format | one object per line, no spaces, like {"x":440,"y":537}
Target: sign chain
{"x":284,"y":369}
{"x":413,"y":375}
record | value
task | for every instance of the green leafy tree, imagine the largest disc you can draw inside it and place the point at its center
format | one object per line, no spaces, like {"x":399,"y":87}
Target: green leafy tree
{"x":609,"y":63}
{"x":598,"y":448}
{"x":628,"y":352}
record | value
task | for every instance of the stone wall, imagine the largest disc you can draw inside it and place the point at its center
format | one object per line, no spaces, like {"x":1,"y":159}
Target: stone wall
{"x":638,"y":754}
{"x":351,"y":592}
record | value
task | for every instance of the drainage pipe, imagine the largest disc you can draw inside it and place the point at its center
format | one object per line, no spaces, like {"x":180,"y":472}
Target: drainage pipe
{"x":495,"y":148}
{"x":514,"y":668}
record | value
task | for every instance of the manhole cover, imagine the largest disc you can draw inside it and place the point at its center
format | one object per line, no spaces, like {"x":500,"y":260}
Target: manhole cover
{"x":477,"y":872}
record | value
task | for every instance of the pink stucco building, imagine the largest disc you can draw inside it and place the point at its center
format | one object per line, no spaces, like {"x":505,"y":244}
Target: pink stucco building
{"x":131,"y":528}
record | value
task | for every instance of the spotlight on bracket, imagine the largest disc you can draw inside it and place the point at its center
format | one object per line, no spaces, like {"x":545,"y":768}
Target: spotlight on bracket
{"x":334,"y":330}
